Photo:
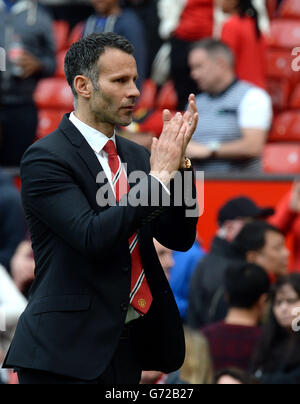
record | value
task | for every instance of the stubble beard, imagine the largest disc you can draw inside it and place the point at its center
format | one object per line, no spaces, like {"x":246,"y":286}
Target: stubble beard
{"x":106,"y":113}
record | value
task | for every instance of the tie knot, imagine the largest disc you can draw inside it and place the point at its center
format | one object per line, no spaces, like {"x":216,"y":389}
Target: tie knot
{"x":110,"y":148}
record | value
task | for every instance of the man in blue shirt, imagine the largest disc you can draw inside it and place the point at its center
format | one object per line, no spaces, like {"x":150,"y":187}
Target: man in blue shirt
{"x":26,"y":36}
{"x":182,"y":273}
{"x":110,"y":17}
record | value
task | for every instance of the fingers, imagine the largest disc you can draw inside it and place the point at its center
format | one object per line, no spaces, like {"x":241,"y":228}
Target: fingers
{"x":172,"y":126}
{"x":167,"y":117}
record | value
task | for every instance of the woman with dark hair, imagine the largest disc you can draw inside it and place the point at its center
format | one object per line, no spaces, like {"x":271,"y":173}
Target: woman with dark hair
{"x":242,"y":34}
{"x":277,"y":359}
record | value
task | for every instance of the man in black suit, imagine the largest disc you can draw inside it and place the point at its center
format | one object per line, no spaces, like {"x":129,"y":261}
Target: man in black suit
{"x":82,"y":323}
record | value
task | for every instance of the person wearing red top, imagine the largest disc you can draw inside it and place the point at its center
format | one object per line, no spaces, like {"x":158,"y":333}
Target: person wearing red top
{"x":195,"y":23}
{"x":287,"y":219}
{"x":242,"y":34}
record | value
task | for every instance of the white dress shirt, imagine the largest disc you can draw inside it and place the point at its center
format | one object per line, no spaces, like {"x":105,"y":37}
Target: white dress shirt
{"x":97,"y":141}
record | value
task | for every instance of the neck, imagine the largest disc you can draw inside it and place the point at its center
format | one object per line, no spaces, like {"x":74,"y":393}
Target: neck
{"x":227,"y":80}
{"x":242,"y":317}
{"x":106,"y":128}
{"x":113,"y":11}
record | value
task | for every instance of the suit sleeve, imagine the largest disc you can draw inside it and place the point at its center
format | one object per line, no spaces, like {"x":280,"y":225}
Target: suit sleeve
{"x":50,"y":194}
{"x":175,"y":228}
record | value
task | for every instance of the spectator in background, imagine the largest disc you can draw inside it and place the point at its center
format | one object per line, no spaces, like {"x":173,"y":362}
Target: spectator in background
{"x":287,"y":219}
{"x":166,"y":261}
{"x":147,"y":11}
{"x":22,"y":267}
{"x":263,"y":10}
{"x":165,"y":257}
{"x":181,"y":274}
{"x":26,"y":35}
{"x":234,"y":116}
{"x":72,"y":11}
{"x":263,"y":244}
{"x":12,"y":305}
{"x":234,"y":376}
{"x":232,"y":342}
{"x":277,"y":360}
{"x":206,"y":299}
{"x":193,"y":21}
{"x":110,"y":17}
{"x":12,"y":220}
{"x":243,"y":35}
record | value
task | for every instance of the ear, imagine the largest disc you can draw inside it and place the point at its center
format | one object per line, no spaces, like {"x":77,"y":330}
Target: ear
{"x":251,"y":256}
{"x":262,"y":302}
{"x":83,"y":86}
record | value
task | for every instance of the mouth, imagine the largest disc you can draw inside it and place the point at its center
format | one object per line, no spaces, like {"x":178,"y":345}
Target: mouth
{"x":130,"y":108}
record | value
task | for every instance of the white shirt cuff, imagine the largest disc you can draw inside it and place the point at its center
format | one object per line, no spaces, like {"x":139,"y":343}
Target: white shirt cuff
{"x":163,"y":185}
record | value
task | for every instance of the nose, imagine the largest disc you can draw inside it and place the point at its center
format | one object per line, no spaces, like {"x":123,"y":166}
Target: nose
{"x":133,"y":92}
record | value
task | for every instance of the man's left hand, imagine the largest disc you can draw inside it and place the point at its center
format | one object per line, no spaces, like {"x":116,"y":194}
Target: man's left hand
{"x":30,"y":65}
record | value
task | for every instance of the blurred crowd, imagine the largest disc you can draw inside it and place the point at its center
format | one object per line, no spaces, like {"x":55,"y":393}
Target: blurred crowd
{"x":238,"y":300}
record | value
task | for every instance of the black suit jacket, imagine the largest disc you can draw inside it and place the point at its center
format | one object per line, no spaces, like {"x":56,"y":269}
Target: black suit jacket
{"x":80,"y":297}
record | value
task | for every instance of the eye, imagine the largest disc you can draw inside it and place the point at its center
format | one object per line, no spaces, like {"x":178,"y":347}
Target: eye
{"x":120,"y":80}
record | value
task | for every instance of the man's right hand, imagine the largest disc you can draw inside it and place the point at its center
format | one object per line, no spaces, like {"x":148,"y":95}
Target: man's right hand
{"x":166,"y":152}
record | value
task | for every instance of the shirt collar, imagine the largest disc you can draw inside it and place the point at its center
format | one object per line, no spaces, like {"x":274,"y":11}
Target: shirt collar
{"x":97,"y":140}
{"x":221,"y":93}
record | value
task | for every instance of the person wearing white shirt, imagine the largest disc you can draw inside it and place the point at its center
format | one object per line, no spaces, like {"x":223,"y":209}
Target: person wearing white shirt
{"x":234,"y":115}
{"x":12,"y":305}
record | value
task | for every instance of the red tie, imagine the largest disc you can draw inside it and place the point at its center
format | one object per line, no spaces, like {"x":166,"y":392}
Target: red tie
{"x":140,"y":294}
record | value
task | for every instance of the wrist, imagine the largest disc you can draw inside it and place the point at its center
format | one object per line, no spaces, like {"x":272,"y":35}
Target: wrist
{"x":163,"y":176}
{"x":214,"y":147}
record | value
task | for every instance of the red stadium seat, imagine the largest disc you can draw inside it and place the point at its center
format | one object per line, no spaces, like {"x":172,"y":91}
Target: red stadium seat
{"x":61,"y":33}
{"x":286,"y":127}
{"x":60,"y":64}
{"x":148,"y":95}
{"x":48,"y":121}
{"x":279,"y":64}
{"x":271,"y":7}
{"x":54,"y":93}
{"x":75,"y":34}
{"x":281,"y":159}
{"x":167,"y":97}
{"x":290,"y":9}
{"x":285,"y":34}
{"x":279,"y":91}
{"x":295,"y":98}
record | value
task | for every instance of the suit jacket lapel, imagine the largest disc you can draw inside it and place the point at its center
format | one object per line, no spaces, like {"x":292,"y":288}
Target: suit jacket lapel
{"x":85,"y":152}
{"x":88,"y":156}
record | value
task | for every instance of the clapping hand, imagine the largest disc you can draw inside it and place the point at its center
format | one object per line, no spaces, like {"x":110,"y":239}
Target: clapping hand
{"x":167,"y":152}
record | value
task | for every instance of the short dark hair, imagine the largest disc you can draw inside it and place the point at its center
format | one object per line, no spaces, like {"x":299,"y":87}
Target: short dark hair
{"x":253,"y":237}
{"x":245,"y":283}
{"x":82,"y":57}
{"x":215,"y":47}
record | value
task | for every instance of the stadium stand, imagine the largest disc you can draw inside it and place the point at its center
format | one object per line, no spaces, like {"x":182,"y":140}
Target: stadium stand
{"x":282,"y":158}
{"x":286,"y":127}
{"x":290,"y":9}
{"x":54,"y":98}
{"x":283,"y":77}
